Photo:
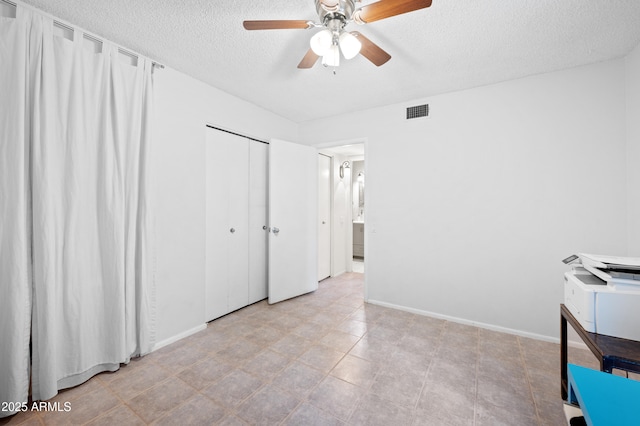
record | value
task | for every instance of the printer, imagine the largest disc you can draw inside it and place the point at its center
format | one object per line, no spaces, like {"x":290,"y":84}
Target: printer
{"x":603,"y":294}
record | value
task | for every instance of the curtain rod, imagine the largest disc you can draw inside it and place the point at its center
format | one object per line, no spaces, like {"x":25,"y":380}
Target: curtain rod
{"x":90,"y":36}
{"x":236,"y":134}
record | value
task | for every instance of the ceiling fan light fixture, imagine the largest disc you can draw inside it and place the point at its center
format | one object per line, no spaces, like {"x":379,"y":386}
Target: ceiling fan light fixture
{"x":332,"y":57}
{"x":321,"y":42}
{"x":350,"y":45}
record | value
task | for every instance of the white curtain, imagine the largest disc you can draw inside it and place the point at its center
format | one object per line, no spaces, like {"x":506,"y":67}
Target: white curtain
{"x":92,"y":292}
{"x":15,"y":242}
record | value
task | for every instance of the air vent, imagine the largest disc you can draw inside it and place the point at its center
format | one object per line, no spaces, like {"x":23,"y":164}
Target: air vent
{"x":417,"y":111}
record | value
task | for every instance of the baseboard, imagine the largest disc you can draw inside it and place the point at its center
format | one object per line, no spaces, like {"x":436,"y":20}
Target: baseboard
{"x":177,"y":337}
{"x":492,"y":327}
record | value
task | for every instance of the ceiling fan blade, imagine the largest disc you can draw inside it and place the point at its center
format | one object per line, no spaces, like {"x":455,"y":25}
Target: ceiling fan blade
{"x":309,"y":60}
{"x":277,"y":25}
{"x":387,"y":8}
{"x":372,"y":51}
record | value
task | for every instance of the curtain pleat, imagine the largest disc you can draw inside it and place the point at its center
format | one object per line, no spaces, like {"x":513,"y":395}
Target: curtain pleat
{"x":88,"y":118}
{"x":15,"y":234}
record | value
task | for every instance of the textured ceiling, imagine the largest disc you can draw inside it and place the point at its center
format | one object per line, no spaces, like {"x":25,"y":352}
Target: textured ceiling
{"x":453,"y":45}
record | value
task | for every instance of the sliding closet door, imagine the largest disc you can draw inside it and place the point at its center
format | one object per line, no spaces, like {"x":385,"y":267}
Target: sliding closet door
{"x":217,"y":217}
{"x":227,"y":230}
{"x":258,"y":166}
{"x":237,"y":183}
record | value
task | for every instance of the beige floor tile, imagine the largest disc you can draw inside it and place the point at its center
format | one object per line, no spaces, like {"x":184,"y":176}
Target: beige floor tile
{"x":445,"y":405}
{"x":233,"y":389}
{"x":198,"y":410}
{"x":376,"y":350}
{"x":312,"y":331}
{"x":265,"y":335}
{"x":381,"y":331}
{"x":488,"y":415}
{"x":232,"y":420}
{"x":285,"y":323}
{"x":420,"y":345}
{"x":458,"y":354}
{"x":544,"y":382}
{"x":214,"y":339}
{"x":160,"y":399}
{"x":583,"y":357}
{"x":375,"y":411}
{"x":136,"y":381}
{"x":266,"y":365}
{"x":400,"y":388}
{"x":502,"y":369}
{"x":354,"y":327}
{"x":357,"y":371}
{"x":340,"y":341}
{"x":205,"y":372}
{"x":336,"y":397}
{"x":444,"y":367}
{"x":506,"y":395}
{"x":321,"y":358}
{"x":180,"y":358}
{"x":402,"y":361}
{"x":457,"y":383}
{"x":550,"y":410}
{"x":239,"y":352}
{"x":121,"y":415}
{"x":291,"y":346}
{"x":32,"y":421}
{"x":298,"y":378}
{"x":83,"y":409}
{"x":268,"y":406}
{"x":308,"y":415}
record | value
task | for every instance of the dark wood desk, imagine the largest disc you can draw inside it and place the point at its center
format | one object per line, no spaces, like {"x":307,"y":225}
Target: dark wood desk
{"x":612,"y":352}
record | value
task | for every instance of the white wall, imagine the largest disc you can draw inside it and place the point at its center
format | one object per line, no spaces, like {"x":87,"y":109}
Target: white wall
{"x":505,"y":181}
{"x":632,"y":64}
{"x":183,"y":107}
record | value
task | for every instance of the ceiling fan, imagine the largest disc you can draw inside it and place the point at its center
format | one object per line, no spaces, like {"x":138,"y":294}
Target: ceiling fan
{"x":334,"y":16}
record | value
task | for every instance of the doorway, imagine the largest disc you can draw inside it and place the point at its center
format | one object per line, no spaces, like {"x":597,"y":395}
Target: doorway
{"x":347,"y":207}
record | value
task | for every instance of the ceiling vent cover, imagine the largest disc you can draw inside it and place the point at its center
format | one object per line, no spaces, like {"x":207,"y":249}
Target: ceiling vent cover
{"x":418,"y":111}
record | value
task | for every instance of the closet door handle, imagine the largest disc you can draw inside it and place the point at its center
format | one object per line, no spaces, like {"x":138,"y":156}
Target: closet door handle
{"x":275,"y":230}
{"x":264,"y":228}
{"x":232,"y":230}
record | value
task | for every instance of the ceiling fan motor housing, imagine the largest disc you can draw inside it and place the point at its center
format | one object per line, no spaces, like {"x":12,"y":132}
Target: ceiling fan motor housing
{"x":329,"y":10}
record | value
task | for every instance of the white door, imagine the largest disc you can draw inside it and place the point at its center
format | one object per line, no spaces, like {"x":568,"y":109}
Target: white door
{"x":237,"y":183}
{"x":258,"y":153}
{"x":293,"y":211}
{"x":217,"y":217}
{"x":226,"y":224}
{"x":324,"y":217}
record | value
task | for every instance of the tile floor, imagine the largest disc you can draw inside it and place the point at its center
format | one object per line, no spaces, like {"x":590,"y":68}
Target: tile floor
{"x":327,"y":358}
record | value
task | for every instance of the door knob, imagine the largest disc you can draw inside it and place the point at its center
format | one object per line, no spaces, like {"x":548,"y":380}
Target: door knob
{"x":275,"y":230}
{"x":323,"y":222}
{"x":232,"y":230}
{"x":264,"y":227}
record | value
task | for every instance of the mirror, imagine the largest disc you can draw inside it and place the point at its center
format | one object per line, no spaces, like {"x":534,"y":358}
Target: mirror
{"x":361,"y":190}
{"x":357,"y":171}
